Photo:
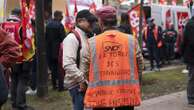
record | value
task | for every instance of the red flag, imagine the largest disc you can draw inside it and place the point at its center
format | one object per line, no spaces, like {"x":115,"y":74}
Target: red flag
{"x":75,"y":8}
{"x":134,"y":15}
{"x":168,"y":18}
{"x":92,"y":7}
{"x":174,"y":2}
{"x":32,"y":9}
{"x":28,"y":47}
{"x":68,"y":20}
{"x":183,"y":17}
{"x":163,"y":2}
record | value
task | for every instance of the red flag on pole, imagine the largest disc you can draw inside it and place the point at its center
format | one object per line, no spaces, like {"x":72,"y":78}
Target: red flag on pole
{"x":75,"y":8}
{"x":92,"y":7}
{"x":28,"y":47}
{"x":183,"y":17}
{"x":32,"y":9}
{"x":163,"y":2}
{"x":134,"y":15}
{"x":68,"y":20}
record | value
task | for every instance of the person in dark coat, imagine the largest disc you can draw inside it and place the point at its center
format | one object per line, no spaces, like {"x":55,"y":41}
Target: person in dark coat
{"x":170,"y":35}
{"x":55,"y":33}
{"x":124,"y":25}
{"x":152,"y":37}
{"x":20,"y":71}
{"x":187,"y":51}
{"x":9,"y":52}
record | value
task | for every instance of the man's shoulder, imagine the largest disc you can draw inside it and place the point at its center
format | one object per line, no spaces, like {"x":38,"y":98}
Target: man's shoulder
{"x":70,"y":37}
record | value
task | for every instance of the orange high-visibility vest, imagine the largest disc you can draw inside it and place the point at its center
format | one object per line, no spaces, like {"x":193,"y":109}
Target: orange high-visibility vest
{"x":113,"y":74}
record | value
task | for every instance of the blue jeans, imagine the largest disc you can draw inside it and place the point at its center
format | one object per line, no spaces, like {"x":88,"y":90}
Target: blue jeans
{"x":77,"y":98}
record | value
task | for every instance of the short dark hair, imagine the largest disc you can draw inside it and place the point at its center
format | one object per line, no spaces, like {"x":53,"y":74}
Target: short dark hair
{"x":58,"y":13}
{"x":16,"y":11}
{"x":87,"y":15}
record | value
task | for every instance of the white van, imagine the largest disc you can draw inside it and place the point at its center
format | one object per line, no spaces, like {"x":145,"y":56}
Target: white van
{"x":158,"y":12}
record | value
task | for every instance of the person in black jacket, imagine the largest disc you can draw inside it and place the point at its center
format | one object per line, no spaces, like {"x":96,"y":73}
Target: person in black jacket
{"x":170,"y":36}
{"x":188,"y":55}
{"x":55,"y":33}
{"x":124,"y":25}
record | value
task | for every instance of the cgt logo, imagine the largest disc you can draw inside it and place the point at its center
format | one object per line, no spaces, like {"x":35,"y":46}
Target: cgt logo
{"x":111,"y":47}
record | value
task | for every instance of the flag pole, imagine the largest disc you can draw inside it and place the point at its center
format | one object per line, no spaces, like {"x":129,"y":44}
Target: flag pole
{"x":141,"y":24}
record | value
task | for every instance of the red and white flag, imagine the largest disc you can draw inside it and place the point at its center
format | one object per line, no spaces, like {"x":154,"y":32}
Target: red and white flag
{"x":28,"y":46}
{"x":92,"y":7}
{"x":163,"y":2}
{"x":183,"y":18}
{"x":32,"y":9}
{"x":174,"y":2}
{"x":134,"y":15}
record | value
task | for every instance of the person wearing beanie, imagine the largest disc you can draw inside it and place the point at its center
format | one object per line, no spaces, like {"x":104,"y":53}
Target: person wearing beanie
{"x":74,"y":57}
{"x":115,"y":67}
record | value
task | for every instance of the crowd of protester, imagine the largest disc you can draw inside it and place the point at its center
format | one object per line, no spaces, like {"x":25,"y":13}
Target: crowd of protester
{"x":163,"y":47}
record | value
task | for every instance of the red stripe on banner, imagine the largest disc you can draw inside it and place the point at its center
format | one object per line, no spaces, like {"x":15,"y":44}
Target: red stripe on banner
{"x":134,"y":15}
{"x":27,"y":29}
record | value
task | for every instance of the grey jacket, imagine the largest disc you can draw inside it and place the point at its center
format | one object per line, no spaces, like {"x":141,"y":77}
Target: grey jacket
{"x":73,"y":74}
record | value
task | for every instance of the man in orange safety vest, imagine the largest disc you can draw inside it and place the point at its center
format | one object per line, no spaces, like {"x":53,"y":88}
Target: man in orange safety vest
{"x":115,"y":66}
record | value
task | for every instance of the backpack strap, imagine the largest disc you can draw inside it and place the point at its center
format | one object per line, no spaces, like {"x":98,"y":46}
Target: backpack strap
{"x":78,"y":37}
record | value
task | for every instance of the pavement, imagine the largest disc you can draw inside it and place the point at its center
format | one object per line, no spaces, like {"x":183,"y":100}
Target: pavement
{"x":174,"y":64}
{"x":175,"y":101}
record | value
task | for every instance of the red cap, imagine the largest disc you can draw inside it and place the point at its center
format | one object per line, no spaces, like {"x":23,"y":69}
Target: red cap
{"x":106,"y":12}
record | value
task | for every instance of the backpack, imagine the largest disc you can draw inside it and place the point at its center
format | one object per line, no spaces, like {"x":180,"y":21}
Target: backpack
{"x":60,"y":58}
